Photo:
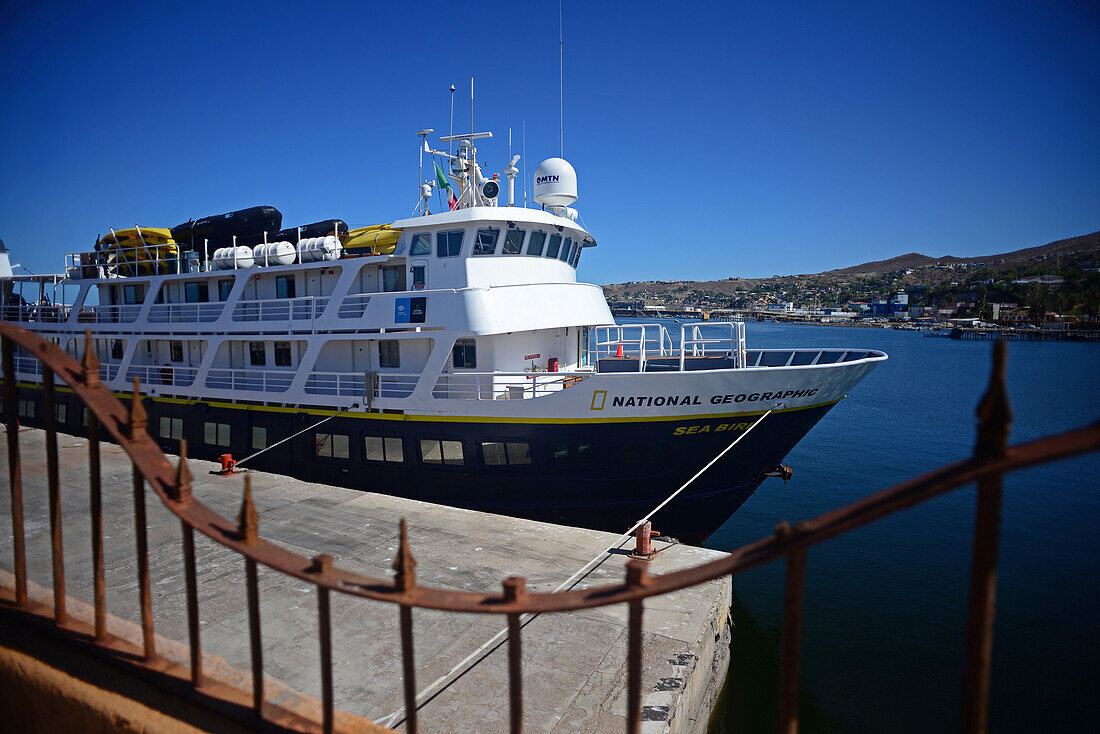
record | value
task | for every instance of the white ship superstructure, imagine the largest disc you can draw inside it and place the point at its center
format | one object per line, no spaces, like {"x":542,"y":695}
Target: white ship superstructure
{"x":457,"y":359}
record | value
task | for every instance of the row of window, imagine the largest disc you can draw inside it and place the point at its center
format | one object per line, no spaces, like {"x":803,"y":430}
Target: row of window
{"x":539,"y":244}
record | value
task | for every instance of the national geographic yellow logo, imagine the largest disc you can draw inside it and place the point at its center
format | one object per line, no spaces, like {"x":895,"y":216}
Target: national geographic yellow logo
{"x":599,"y":397}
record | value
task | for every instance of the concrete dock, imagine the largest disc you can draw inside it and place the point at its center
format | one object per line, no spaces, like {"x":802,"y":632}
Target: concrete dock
{"x":574,"y":664}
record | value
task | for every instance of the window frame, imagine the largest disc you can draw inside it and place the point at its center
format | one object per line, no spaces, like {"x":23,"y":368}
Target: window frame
{"x":285,"y":286}
{"x":467,"y":347}
{"x":261,"y":353}
{"x":442,"y":444}
{"x":201,"y":289}
{"x":447,"y":237}
{"x":175,"y":350}
{"x":391,"y":454}
{"x":418,"y":239}
{"x":387,"y":360}
{"x":281,"y":348}
{"x":333,"y":446}
{"x":555,"y":244}
{"x":506,"y":449}
{"x":482,"y":247}
{"x":540,"y":235}
{"x":508,"y":241}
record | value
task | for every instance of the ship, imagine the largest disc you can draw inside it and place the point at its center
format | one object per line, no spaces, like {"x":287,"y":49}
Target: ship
{"x":451,"y":357}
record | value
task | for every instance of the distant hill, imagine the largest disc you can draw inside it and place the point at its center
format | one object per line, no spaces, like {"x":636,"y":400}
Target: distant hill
{"x":924,"y":270}
{"x":1072,"y":245}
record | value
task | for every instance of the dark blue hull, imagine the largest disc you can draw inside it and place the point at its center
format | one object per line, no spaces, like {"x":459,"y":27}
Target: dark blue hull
{"x":603,"y":476}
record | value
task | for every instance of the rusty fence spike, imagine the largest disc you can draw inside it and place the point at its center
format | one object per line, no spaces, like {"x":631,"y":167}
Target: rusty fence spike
{"x":994,"y":423}
{"x":53,"y":484}
{"x":193,"y":625}
{"x":408,"y":667}
{"x":184,"y":478}
{"x":95,"y":500}
{"x":793,"y":596}
{"x":253,"y":584}
{"x":322,"y":564}
{"x":144,"y":582}
{"x":90,"y":362}
{"x":138,"y":417}
{"x":404,"y":563}
{"x":15,"y":471}
{"x":515,"y":590}
{"x":248,"y":520}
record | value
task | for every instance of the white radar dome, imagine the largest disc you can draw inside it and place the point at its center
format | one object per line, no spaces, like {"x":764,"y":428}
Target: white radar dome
{"x":555,"y":183}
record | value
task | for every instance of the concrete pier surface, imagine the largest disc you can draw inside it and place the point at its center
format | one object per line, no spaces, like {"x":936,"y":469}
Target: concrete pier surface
{"x":574,"y":664}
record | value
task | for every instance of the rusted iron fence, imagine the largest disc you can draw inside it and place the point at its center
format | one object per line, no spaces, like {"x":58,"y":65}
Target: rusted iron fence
{"x":991,"y":460}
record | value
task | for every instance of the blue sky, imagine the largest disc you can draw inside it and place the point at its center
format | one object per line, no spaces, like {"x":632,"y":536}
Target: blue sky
{"x":710,"y":140}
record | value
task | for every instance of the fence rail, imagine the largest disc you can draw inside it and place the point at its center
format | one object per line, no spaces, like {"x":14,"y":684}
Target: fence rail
{"x":991,"y":460}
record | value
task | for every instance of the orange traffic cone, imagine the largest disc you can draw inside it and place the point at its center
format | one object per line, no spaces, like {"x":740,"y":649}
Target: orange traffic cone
{"x":619,"y":351}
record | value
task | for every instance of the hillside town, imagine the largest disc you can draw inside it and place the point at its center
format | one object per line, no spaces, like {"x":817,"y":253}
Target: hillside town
{"x":1055,"y":289}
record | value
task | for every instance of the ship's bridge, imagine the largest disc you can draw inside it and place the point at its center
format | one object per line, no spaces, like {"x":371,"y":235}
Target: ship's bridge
{"x":490,"y":246}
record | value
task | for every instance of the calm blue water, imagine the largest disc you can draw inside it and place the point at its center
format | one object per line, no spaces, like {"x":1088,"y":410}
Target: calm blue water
{"x":885,"y":611}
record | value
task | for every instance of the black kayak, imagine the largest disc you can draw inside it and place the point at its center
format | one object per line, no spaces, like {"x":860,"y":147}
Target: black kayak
{"x":247,"y":225}
{"x":317,"y":229}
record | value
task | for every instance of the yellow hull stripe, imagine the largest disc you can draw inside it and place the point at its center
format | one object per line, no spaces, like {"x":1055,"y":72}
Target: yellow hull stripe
{"x":324,"y":412}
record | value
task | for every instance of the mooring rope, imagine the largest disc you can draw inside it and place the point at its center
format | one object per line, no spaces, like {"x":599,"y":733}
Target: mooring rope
{"x":299,"y":433}
{"x":599,"y":558}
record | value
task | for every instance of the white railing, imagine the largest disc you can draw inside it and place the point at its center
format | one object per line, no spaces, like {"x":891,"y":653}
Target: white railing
{"x":108,"y":314}
{"x":354,"y":384}
{"x":353,"y":307}
{"x":172,"y":313}
{"x":248,"y":379}
{"x":164,"y":374}
{"x":727,"y":340}
{"x":639,"y":345}
{"x":504,"y":385}
{"x":305,"y":308}
{"x":108,"y":371}
{"x":42,"y":313}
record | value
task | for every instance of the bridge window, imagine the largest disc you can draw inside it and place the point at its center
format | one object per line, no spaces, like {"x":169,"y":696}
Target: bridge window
{"x":256,"y":354}
{"x":284,"y":286}
{"x":513,"y":241}
{"x":388,"y":448}
{"x":576,"y":257}
{"x":436,"y":451}
{"x":448,"y":244}
{"x":171,"y":428}
{"x":421,"y":244}
{"x":505,"y":453}
{"x":554,"y":246}
{"x":464,"y":354}
{"x":486,"y":242}
{"x":259,"y":437}
{"x":566,"y":249}
{"x":332,"y":445}
{"x":282,"y":354}
{"x":534,"y":245}
{"x":389,"y":353}
{"x":215,"y":434}
{"x":196,"y":292}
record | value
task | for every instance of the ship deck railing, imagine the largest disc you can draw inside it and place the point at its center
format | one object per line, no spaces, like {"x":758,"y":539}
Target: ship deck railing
{"x":163,"y":374}
{"x":652,"y":348}
{"x":504,"y":385}
{"x":250,"y":379}
{"x":302,"y":308}
{"x":355,"y":384}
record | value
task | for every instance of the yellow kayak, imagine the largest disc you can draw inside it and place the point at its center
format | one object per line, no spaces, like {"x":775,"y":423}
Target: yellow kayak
{"x":151,"y":235}
{"x":379,"y":239}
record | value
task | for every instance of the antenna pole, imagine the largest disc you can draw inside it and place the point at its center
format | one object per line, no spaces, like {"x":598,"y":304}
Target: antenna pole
{"x":471,"y":105}
{"x":524,"y":159}
{"x":452,"y":133}
{"x":561,"y":81}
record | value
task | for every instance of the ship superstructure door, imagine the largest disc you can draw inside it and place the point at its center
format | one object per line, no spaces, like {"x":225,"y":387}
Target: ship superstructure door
{"x":418,"y":275}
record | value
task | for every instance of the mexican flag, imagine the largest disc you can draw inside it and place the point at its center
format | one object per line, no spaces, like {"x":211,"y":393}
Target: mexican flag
{"x":441,"y":179}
